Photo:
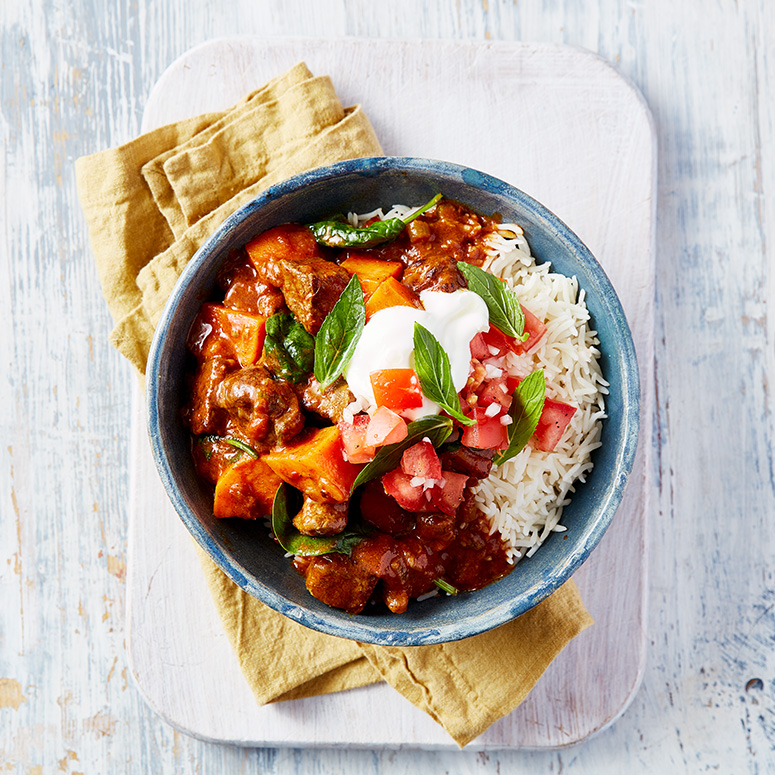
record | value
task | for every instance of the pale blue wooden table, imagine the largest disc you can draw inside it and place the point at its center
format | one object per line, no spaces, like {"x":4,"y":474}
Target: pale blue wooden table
{"x":75,"y":78}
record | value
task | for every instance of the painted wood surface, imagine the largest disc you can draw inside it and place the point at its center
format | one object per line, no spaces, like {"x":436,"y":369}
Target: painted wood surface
{"x":579,"y":118}
{"x":76,"y":77}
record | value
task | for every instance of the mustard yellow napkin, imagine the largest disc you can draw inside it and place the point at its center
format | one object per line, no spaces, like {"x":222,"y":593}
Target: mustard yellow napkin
{"x":149,"y":205}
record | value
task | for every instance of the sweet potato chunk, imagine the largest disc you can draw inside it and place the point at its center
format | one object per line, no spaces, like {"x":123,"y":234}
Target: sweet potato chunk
{"x":289,"y":242}
{"x":219,"y":331}
{"x":246,"y":490}
{"x":314,"y":463}
{"x":391,"y":293}
{"x":372,"y":272}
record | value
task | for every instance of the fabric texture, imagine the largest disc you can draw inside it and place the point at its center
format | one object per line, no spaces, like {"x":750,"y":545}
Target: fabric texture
{"x":149,"y":205}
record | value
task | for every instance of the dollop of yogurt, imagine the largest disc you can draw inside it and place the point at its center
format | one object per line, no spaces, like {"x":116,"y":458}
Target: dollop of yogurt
{"x":387,"y":342}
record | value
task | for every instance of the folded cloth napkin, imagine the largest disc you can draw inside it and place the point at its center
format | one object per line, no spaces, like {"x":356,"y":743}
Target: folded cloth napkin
{"x":149,"y":205}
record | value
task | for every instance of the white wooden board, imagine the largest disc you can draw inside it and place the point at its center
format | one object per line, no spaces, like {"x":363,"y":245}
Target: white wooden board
{"x":563,"y":126}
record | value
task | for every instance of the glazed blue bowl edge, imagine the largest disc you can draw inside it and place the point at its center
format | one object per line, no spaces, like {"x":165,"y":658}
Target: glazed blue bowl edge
{"x":244,"y":550}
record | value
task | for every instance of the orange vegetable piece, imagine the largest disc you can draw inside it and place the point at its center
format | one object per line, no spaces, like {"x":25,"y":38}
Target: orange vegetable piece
{"x":246,"y":331}
{"x":372,"y":272}
{"x":391,"y":293}
{"x":246,"y":490}
{"x":219,"y":330}
{"x":289,"y":242}
{"x":314,"y":463}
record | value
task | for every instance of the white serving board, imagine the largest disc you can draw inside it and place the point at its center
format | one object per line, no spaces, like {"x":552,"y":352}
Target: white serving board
{"x":563,"y":126}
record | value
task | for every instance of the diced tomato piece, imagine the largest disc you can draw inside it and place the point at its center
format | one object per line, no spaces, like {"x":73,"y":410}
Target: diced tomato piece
{"x":512,"y":383}
{"x":552,"y":424}
{"x":354,"y":439}
{"x":495,"y":338}
{"x":494,"y":391}
{"x":397,"y":389}
{"x":399,"y":486}
{"x":486,"y":433}
{"x":421,"y":460}
{"x":385,"y":427}
{"x":449,"y":496}
{"x":535,"y":330}
{"x":479,"y":348}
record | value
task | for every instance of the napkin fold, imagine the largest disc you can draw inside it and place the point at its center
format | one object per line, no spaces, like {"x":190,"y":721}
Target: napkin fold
{"x":149,"y":205}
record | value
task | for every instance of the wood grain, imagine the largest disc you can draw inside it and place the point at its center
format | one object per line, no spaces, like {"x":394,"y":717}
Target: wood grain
{"x":76,"y":76}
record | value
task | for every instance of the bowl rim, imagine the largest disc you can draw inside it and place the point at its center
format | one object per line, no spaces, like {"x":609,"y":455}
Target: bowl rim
{"x":363,"y":630}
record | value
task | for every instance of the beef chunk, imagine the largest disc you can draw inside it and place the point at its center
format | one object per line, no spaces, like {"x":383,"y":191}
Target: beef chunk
{"x":437,"y":271}
{"x":311,"y":288}
{"x":475,"y":463}
{"x":329,"y":403}
{"x":262,"y":408}
{"x":338,"y":581}
{"x":321,"y":519}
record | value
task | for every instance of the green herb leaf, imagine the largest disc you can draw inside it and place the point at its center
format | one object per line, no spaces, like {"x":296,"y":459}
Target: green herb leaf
{"x":236,"y":443}
{"x":502,"y":303}
{"x":433,"y":427}
{"x":431,"y":364}
{"x":337,"y":233}
{"x":525,"y":411}
{"x":338,"y":337}
{"x":445,"y":586}
{"x":288,"y":348}
{"x":303,"y":545}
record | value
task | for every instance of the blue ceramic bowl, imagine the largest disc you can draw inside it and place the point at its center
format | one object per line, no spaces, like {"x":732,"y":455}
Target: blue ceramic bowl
{"x":243,"y":548}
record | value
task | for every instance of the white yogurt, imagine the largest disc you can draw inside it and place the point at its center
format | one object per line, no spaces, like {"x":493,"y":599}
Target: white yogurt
{"x":387,"y":341}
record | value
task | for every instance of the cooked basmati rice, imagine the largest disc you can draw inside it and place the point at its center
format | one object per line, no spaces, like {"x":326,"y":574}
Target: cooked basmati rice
{"x":524,"y":497}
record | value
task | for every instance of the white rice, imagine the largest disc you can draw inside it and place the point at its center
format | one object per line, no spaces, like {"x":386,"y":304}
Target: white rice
{"x":524,"y":497}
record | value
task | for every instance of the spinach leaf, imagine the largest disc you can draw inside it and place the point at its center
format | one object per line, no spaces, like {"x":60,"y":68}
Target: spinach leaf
{"x":288,"y":348}
{"x":338,"y":337}
{"x":434,"y":427}
{"x":307,"y":546}
{"x":337,"y":233}
{"x":431,"y":364}
{"x":525,"y":411}
{"x":502,"y":303}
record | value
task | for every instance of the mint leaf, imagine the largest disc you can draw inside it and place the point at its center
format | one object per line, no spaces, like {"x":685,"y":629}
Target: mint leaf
{"x":525,"y":412}
{"x":338,"y":337}
{"x":502,"y":303}
{"x":431,"y":364}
